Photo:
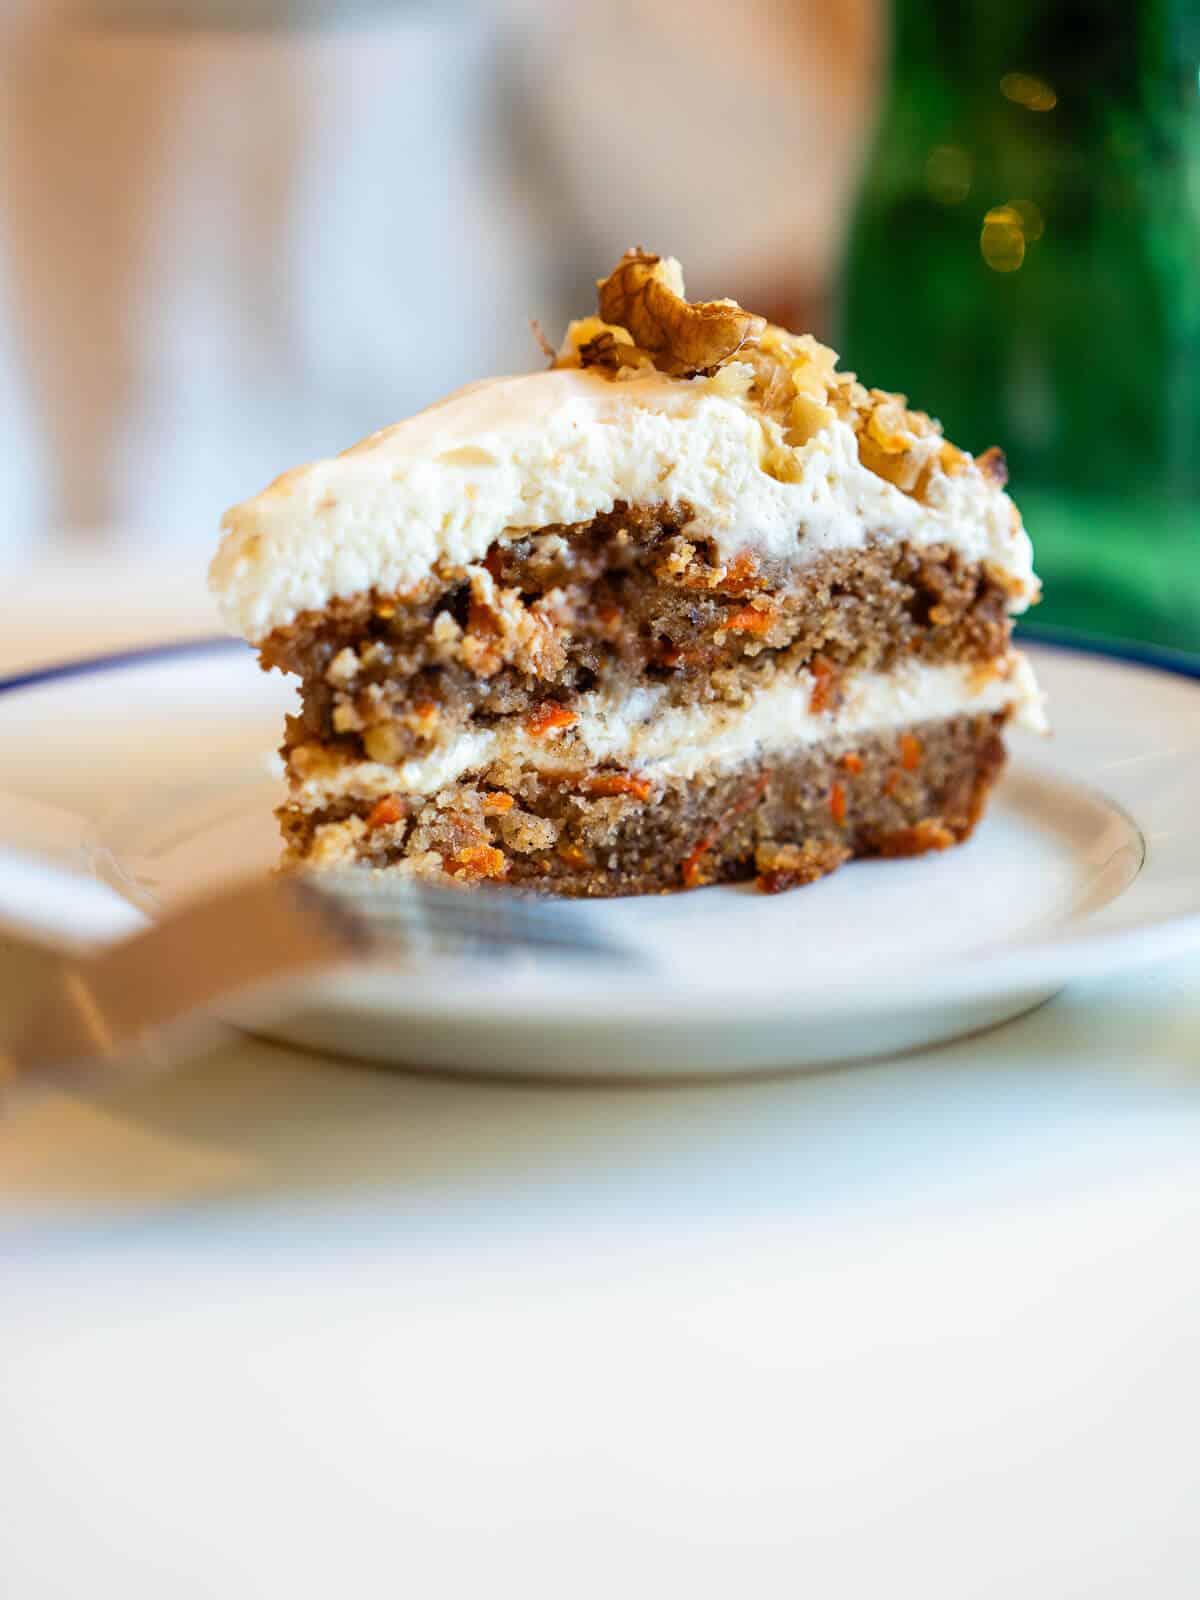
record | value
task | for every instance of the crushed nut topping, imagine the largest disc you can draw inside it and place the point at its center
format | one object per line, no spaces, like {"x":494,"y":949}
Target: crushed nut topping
{"x":606,"y":350}
{"x":993,"y":465}
{"x":643,"y":300}
{"x":647,"y":324}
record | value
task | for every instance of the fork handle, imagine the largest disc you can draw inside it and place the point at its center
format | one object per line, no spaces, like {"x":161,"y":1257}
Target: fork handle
{"x":138,"y":1003}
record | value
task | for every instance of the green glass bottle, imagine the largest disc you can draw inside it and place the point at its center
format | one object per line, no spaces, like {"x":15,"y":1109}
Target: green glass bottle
{"x":1025,"y":263}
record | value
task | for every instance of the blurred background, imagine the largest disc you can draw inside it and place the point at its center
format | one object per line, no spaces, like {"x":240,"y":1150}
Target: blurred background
{"x":241,"y":234}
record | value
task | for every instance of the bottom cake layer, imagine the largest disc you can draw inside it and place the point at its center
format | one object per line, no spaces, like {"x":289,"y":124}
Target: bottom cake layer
{"x":785,"y":821}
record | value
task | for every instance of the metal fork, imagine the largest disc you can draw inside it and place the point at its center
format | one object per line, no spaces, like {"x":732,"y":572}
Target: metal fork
{"x":138,"y":1004}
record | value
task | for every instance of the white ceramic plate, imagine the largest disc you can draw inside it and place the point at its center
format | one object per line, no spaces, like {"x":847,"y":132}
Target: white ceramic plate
{"x":153,"y":772}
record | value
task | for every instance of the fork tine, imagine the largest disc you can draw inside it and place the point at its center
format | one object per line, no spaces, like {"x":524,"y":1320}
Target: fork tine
{"x":257,"y":941}
{"x":399,"y":908}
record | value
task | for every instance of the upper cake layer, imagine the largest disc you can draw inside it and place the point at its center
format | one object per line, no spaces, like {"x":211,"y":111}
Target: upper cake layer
{"x":769,"y":449}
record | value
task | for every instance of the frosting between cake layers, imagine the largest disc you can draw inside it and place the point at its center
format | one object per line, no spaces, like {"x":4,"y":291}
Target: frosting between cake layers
{"x":509,"y":455}
{"x":680,"y":741}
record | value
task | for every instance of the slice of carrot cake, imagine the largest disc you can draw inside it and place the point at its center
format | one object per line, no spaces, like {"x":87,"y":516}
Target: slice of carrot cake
{"x":690,"y":606}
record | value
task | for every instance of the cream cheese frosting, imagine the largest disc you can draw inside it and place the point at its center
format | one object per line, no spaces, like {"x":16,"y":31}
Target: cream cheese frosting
{"x":680,"y":741}
{"x":508,"y":455}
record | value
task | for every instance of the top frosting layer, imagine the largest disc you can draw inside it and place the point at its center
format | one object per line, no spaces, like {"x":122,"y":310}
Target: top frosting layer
{"x":507,"y":455}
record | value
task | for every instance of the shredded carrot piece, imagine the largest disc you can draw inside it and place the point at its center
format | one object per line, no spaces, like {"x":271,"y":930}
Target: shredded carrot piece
{"x":741,"y":573}
{"x":910,"y":752}
{"x":608,"y":783}
{"x":892,"y":783}
{"x":549,"y":716}
{"x":837,"y":804}
{"x":384,"y":811}
{"x":481,"y":861}
{"x":825,"y":686}
{"x":749,"y":620}
{"x":572,"y":855}
{"x":852,"y":762}
{"x":694,"y":876}
{"x":496,"y":804}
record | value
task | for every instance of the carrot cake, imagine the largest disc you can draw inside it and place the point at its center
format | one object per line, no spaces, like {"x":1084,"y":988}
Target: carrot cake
{"x":689,"y":606}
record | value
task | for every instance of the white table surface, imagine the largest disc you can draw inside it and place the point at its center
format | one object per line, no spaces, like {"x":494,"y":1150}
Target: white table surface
{"x":282,"y":1326}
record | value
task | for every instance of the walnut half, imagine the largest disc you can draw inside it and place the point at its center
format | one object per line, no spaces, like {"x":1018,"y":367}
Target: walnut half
{"x":645,"y":296}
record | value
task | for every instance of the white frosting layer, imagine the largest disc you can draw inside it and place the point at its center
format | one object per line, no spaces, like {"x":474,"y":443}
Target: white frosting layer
{"x":682,"y":740}
{"x":512,"y":454}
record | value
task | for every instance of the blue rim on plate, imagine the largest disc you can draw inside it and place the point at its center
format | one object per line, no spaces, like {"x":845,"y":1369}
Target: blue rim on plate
{"x":114,"y":660}
{"x":1182,"y":663}
{"x":1178,"y":662}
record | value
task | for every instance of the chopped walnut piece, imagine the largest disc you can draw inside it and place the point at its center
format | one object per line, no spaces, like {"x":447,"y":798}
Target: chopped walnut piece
{"x":335,"y":842}
{"x":314,"y":761}
{"x":677,"y":554}
{"x":445,"y":633}
{"x":794,"y":375}
{"x":903,"y":447}
{"x":526,"y":832}
{"x":503,"y":631}
{"x":733,"y":381}
{"x":342,"y":669}
{"x":347,"y":718}
{"x":385,"y":743}
{"x":645,"y":295}
{"x":480,"y":650}
{"x":548,"y":718}
{"x":993,"y":466}
{"x":606,"y":350}
{"x":593,"y":332}
{"x":848,"y":397}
